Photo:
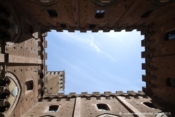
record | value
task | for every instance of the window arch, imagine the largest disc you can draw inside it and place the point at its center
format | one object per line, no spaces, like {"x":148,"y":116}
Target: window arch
{"x":103,"y":107}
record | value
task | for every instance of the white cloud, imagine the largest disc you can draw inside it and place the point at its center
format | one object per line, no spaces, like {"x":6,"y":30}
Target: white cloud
{"x":92,"y":44}
{"x":99,"y":51}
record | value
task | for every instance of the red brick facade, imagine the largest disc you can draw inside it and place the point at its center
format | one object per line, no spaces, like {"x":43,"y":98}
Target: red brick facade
{"x":24,"y":25}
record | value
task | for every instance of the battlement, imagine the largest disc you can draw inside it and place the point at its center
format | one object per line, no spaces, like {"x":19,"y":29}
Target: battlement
{"x":97,"y":94}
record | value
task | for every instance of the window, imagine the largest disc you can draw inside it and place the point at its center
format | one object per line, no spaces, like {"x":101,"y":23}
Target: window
{"x":103,"y":107}
{"x":52,"y":13}
{"x":63,"y":26}
{"x":53,"y":108}
{"x":171,"y":82}
{"x":28,"y":27}
{"x":147,"y":14}
{"x":99,"y":14}
{"x":91,"y":26}
{"x":150,"y":105}
{"x":29,"y":85}
{"x":170,"y":35}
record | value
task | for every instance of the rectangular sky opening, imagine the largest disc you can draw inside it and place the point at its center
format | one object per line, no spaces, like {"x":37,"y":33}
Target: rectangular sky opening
{"x":103,"y":61}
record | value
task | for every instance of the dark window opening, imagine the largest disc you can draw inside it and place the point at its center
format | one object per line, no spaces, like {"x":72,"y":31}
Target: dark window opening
{"x":147,"y":14}
{"x":99,"y":14}
{"x":29,"y":85}
{"x":103,"y":107}
{"x":53,"y":108}
{"x":92,"y":26}
{"x":170,"y":35}
{"x":41,"y":75}
{"x":150,"y":105}
{"x":28,"y":27}
{"x":52,"y":13}
{"x":171,"y":82}
{"x":63,"y":25}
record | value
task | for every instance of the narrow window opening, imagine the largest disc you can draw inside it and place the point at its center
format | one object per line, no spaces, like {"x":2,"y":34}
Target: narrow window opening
{"x":63,"y":26}
{"x":53,"y":108}
{"x":170,"y":35}
{"x":171,"y":82}
{"x":147,"y":14}
{"x":28,"y":27}
{"x":99,"y":14}
{"x":103,"y":107}
{"x":29,"y":85}
{"x":92,"y":26}
{"x":150,"y":105}
{"x":41,"y":75}
{"x":52,"y":13}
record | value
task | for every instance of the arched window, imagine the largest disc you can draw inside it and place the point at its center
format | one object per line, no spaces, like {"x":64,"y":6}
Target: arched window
{"x":53,"y":108}
{"x":29,"y":85}
{"x":171,"y":82}
{"x":103,"y":107}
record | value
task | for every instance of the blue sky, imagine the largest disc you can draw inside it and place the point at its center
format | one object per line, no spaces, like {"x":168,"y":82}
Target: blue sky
{"x":97,"y":61}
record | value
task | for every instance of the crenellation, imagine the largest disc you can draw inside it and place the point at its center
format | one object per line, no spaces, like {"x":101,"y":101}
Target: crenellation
{"x":144,"y":78}
{"x":143,"y":66}
{"x":23,"y":29}
{"x":143,"y":54}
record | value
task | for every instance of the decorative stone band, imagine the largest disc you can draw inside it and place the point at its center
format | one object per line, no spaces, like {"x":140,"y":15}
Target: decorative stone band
{"x":23,"y":59}
{"x":96,"y":94}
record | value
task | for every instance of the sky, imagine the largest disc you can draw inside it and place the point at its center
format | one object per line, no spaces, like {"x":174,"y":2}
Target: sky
{"x":97,"y":62}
